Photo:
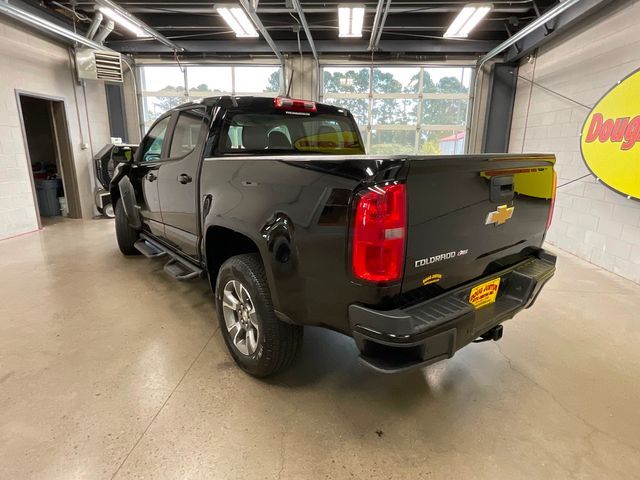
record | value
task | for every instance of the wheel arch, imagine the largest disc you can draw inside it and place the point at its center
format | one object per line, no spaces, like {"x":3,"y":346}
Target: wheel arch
{"x":120,"y":171}
{"x":114,"y":193}
{"x":222,"y":243}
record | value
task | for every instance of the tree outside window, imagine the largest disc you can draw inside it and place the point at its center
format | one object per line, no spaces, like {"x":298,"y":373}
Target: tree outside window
{"x":428,"y":106}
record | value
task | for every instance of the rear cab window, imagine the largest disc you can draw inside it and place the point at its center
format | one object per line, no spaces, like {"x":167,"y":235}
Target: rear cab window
{"x":270,"y":131}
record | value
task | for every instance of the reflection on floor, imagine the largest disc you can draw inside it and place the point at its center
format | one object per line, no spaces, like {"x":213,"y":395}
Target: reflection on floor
{"x":108,"y":367}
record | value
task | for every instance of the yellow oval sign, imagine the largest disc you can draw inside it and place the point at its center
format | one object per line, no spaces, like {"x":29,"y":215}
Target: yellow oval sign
{"x":610,"y":140}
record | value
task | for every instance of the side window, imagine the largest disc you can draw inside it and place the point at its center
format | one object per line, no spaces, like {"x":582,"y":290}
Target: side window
{"x":154,"y":140}
{"x":186,"y":132}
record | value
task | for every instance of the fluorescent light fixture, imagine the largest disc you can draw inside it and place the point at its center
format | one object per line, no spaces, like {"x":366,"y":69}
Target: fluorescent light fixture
{"x":350,"y":18}
{"x":123,"y":21}
{"x":238,"y":20}
{"x":467,"y":19}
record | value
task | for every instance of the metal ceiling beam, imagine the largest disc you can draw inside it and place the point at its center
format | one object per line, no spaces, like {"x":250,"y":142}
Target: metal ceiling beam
{"x":561,"y":23}
{"x":440,"y":21}
{"x":154,"y":33}
{"x":248,"y":47}
{"x":42,"y":24}
{"x":157,"y":7}
{"x":258,"y":23}
{"x":534,"y":25}
{"x":305,"y":26}
{"x":376,"y":22}
{"x":376,"y":33}
{"x":415,"y":22}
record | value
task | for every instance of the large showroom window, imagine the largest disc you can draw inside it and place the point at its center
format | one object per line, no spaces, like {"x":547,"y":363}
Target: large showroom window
{"x":165,"y":87}
{"x":403,"y":110}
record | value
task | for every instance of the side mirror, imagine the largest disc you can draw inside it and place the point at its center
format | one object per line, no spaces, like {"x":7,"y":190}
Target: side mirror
{"x":137,"y":151}
{"x":122,"y":154}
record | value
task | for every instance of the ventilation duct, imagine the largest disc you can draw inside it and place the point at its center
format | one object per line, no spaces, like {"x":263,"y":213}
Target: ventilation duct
{"x":95,"y":24}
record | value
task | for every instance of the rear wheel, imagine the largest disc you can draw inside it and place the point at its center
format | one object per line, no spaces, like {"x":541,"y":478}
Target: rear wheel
{"x":258,"y":341}
{"x":125,"y":234}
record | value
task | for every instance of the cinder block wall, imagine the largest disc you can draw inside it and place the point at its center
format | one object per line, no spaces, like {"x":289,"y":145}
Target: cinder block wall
{"x":34,"y":64}
{"x":590,"y":221}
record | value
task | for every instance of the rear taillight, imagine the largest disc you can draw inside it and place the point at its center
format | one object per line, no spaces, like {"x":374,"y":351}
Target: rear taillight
{"x":379,"y":233}
{"x":553,"y":199}
{"x":294,"y":105}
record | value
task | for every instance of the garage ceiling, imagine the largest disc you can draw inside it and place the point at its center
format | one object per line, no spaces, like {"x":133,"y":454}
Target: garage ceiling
{"x":411,"y":27}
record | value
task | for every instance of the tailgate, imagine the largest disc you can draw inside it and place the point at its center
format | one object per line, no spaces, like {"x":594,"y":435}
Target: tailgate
{"x":465,"y":212}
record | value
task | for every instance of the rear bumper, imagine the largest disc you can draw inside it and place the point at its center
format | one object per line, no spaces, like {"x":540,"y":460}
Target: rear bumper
{"x":396,"y":340}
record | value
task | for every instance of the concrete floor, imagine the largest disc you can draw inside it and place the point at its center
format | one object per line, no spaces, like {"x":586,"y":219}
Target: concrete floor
{"x":108,"y":368}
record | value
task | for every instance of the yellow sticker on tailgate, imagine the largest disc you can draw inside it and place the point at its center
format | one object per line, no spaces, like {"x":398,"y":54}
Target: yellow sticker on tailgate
{"x":485,"y":293}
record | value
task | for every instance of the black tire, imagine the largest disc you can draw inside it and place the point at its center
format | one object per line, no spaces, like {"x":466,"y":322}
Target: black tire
{"x":125,"y":234}
{"x":278,"y":342}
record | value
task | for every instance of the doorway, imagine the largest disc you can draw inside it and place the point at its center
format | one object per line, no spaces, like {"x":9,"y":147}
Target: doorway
{"x":53,"y":175}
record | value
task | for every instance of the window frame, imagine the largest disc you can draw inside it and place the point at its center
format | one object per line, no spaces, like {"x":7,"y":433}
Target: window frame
{"x":187,"y":96}
{"x":140,"y":152}
{"x":419,"y":127}
{"x":174,"y":124}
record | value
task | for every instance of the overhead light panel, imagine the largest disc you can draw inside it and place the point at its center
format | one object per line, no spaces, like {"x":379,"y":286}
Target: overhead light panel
{"x":467,"y":19}
{"x":124,"y":21}
{"x":238,"y":20}
{"x":350,"y":18}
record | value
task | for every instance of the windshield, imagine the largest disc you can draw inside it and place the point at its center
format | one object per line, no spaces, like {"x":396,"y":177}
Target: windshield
{"x":291,"y":133}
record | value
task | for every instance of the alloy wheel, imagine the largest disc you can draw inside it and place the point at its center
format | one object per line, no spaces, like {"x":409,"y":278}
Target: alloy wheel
{"x":240,"y":317}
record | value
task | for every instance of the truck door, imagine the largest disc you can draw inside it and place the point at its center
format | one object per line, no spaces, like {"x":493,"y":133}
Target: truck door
{"x":178,"y":180}
{"x":145,"y":174}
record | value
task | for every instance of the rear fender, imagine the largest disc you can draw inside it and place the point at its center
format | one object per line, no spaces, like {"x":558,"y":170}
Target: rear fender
{"x":257,"y":237}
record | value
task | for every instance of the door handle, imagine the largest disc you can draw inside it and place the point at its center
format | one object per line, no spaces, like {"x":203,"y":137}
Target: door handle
{"x":151,"y":176}
{"x":184,"y":178}
{"x":502,"y":189}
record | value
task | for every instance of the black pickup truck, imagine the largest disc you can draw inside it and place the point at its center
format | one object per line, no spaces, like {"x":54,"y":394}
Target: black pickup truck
{"x":277,"y":204}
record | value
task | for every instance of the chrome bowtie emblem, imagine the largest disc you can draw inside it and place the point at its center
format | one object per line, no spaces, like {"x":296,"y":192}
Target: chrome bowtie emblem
{"x":499,"y":216}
